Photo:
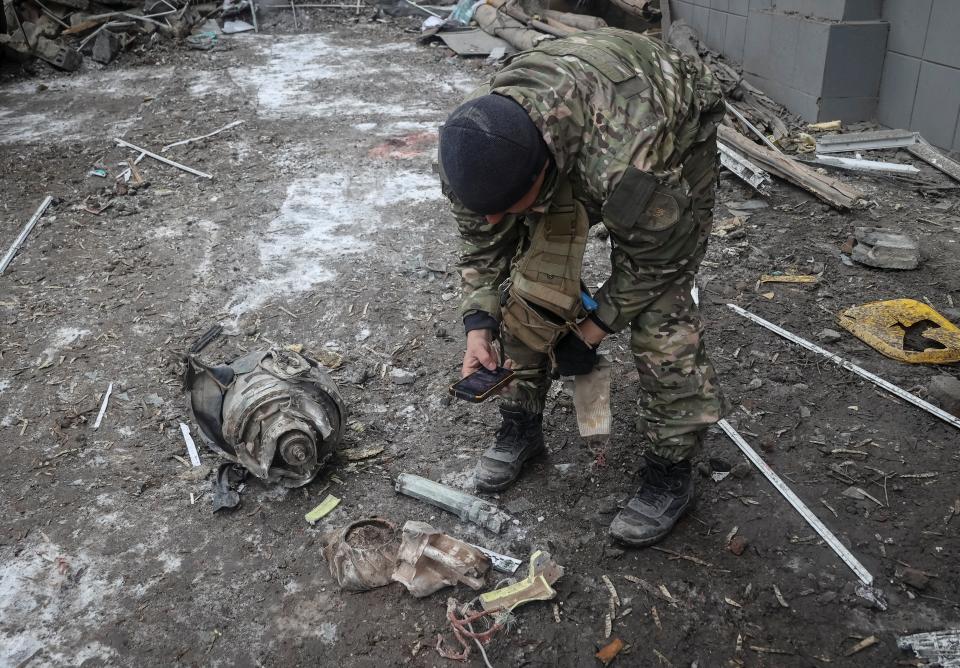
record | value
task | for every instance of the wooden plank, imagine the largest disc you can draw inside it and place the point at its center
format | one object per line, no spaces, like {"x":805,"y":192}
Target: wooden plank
{"x":832,"y":191}
{"x":933,"y":157}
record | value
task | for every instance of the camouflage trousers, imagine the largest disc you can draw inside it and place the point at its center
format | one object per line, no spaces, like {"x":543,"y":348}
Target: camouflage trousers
{"x":679,"y":396}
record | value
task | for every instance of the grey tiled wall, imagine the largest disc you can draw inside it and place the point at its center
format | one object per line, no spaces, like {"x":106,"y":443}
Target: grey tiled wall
{"x":920,"y":89}
{"x":896,"y":61}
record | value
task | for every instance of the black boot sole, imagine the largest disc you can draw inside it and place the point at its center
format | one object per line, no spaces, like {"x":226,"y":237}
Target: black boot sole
{"x":487,"y":488}
{"x":653,"y":540}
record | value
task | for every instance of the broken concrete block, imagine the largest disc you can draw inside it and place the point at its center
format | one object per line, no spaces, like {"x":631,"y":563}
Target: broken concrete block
{"x":105,"y":47}
{"x":402,"y":376}
{"x":885,"y":250}
{"x":58,"y":55}
{"x":945,"y":390}
{"x":14,"y":49}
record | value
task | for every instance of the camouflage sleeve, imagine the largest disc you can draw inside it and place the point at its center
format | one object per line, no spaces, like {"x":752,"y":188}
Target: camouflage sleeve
{"x":485,"y":255}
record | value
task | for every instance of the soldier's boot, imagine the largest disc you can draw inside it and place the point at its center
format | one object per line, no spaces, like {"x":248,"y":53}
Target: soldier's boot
{"x":519,"y":439}
{"x":665,"y":493}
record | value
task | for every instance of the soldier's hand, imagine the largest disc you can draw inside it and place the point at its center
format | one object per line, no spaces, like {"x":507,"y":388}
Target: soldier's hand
{"x":574,"y":357}
{"x":480,"y":352}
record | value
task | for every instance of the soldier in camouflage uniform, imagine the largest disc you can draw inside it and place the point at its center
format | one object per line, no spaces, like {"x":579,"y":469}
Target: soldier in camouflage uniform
{"x":621,"y":128}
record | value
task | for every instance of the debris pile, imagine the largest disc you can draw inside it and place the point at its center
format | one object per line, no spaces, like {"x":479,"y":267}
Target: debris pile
{"x":65,"y":32}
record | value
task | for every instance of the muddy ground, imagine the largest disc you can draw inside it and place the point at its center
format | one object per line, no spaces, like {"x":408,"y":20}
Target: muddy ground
{"x":324,"y":226}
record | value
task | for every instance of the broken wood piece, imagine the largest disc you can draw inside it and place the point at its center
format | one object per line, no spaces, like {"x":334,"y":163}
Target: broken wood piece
{"x":24,"y":233}
{"x":849,"y":366}
{"x":867,"y":141}
{"x":737,"y":164}
{"x":825,"y":126}
{"x":788,"y":278}
{"x":609,"y":651}
{"x":860,"y":165}
{"x":869,"y":641}
{"x":830,"y":190}
{"x":743,"y":119}
{"x":580,"y":21}
{"x":103,"y":408}
{"x":935,"y":158}
{"x":797,"y":504}
{"x":499,"y":24}
{"x":167,"y":161}
{"x":193,"y":139}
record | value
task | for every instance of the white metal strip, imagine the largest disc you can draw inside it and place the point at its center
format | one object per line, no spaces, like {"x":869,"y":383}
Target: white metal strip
{"x":24,"y":233}
{"x":850,"y":366}
{"x":797,"y":504}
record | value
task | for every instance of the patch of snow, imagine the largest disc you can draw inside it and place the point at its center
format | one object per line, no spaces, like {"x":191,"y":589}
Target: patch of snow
{"x":323,"y":218}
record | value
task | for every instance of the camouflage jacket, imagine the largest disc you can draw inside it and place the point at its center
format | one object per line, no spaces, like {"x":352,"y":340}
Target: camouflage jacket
{"x":603,"y":100}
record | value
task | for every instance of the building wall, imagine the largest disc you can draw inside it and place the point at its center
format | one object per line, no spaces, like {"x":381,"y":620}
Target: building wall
{"x":920,"y":89}
{"x":895,"y":61}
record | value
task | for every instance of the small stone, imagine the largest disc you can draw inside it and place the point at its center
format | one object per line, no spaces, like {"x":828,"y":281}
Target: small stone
{"x":402,"y":377}
{"x":827,"y":597}
{"x":608,"y":504}
{"x":915,"y":578}
{"x":738,"y":544}
{"x":829,"y":335}
{"x":945,"y":390}
{"x":105,"y":47}
{"x":805,"y":412}
{"x":755,"y":384}
{"x":563,"y":468}
{"x":613,"y":552}
{"x":704,"y":469}
{"x":741,"y":471}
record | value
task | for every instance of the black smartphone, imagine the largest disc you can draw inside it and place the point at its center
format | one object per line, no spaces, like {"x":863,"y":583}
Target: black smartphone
{"x":481,"y":384}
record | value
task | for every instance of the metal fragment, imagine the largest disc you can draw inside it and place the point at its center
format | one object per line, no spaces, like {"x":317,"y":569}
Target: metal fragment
{"x":860,"y":165}
{"x":797,"y":504}
{"x":191,"y":446}
{"x":429,"y":560}
{"x":940,"y":648}
{"x":739,"y":165}
{"x":103,"y":406}
{"x":468,"y":508}
{"x":537,"y":586}
{"x":850,"y":366}
{"x":499,"y":562}
{"x":866,"y":141}
{"x":24,"y":233}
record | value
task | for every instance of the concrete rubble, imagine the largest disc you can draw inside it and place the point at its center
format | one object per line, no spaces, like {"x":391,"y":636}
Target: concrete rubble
{"x":885,"y":250}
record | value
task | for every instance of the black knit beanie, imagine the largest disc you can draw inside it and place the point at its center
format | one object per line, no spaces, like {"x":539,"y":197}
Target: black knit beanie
{"x":491,"y":153}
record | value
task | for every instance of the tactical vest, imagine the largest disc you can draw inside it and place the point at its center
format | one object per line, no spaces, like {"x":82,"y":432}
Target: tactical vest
{"x":541,"y":302}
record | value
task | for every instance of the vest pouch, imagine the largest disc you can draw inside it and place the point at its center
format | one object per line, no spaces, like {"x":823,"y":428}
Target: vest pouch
{"x":539,"y":332}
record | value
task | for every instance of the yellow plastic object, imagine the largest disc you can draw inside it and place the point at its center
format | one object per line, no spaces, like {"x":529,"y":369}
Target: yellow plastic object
{"x":882,"y":325}
{"x":324,"y":509}
{"x":544,"y":571}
